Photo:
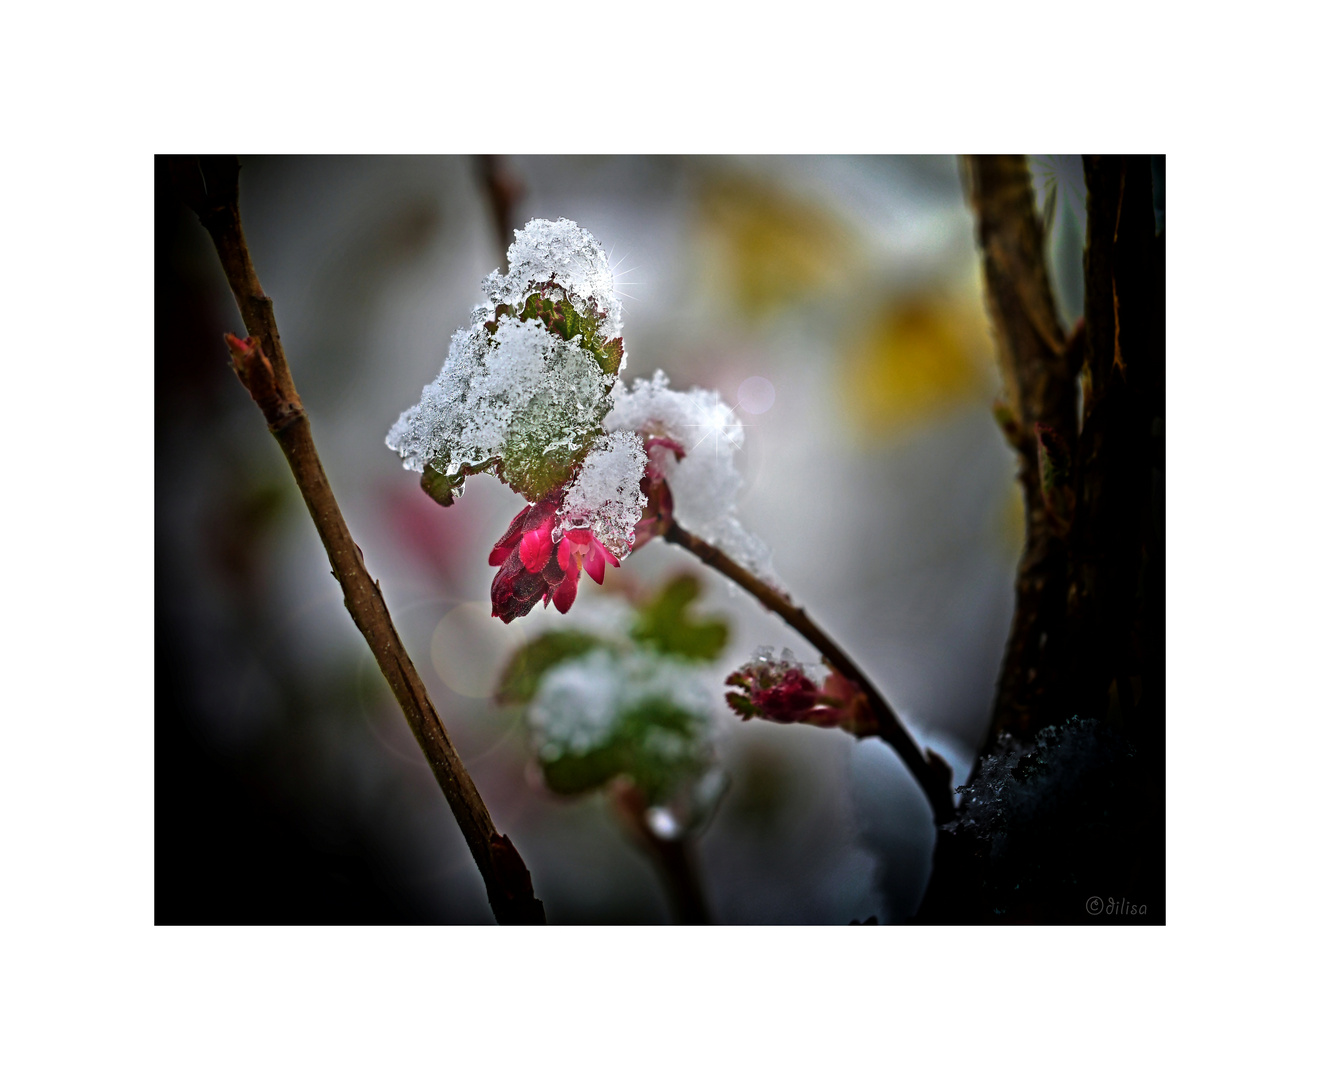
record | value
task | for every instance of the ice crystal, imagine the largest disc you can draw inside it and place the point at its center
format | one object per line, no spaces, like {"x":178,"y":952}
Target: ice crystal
{"x":564,"y":260}
{"x":1053,"y":821}
{"x":706,"y":482}
{"x":1025,"y":786}
{"x":606,"y":495}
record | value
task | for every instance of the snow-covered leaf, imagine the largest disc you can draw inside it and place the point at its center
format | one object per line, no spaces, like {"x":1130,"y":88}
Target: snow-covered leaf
{"x":525,"y":387}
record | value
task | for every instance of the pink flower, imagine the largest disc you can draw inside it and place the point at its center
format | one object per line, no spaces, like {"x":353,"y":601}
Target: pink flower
{"x":577,"y":550}
{"x":527,"y":572}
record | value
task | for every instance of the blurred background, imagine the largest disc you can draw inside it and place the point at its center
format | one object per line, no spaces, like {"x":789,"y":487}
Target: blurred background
{"x":288,"y":786}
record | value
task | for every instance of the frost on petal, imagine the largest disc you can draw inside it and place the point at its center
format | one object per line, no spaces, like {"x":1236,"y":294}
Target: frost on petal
{"x":525,"y":387}
{"x":606,"y":495}
{"x":705,"y":484}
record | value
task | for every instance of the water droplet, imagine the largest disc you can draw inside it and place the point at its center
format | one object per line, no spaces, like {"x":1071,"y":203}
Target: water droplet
{"x":661,"y":822}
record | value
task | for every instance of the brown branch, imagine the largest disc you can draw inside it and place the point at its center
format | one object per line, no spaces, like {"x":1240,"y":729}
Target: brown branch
{"x":503,"y":192}
{"x":930,"y":770}
{"x":1039,"y":417}
{"x":210,"y":187}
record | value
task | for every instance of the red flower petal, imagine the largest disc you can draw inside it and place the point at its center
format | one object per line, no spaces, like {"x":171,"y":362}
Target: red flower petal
{"x":539,"y":515}
{"x":509,"y":540}
{"x":566,"y":593}
{"x":553,"y":572}
{"x":534,"y":550}
{"x":594,"y":562}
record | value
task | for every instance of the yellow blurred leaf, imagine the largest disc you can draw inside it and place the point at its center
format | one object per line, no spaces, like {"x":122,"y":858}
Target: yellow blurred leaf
{"x":769,"y":248}
{"x":916,"y":360}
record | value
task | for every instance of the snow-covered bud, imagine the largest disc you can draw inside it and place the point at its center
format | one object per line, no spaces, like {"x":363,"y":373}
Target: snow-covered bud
{"x":781,"y":690}
{"x":692,"y":439}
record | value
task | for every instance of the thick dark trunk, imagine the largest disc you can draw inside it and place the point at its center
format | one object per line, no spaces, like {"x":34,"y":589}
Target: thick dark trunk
{"x":1061,"y":811}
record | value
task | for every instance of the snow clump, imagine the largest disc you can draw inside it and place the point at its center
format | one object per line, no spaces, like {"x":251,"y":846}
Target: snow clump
{"x":706,"y":482}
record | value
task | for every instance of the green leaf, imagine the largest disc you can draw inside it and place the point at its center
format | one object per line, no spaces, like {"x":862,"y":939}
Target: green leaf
{"x":663,"y":746}
{"x":611,"y":356}
{"x":534,"y":470}
{"x":664,"y":623}
{"x":445,"y":489}
{"x":563,"y":319}
{"x":574,"y":774}
{"x":525,"y":669}
{"x":658,"y":745}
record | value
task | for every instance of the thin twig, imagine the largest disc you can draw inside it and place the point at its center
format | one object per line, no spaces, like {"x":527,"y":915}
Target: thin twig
{"x":931,"y":772}
{"x":503,"y":192}
{"x":210,"y":187}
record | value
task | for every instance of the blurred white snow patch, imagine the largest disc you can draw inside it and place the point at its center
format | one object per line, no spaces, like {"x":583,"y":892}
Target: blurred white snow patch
{"x":574,"y":708}
{"x":706,"y":483}
{"x":606,"y":495}
{"x":580,"y":703}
